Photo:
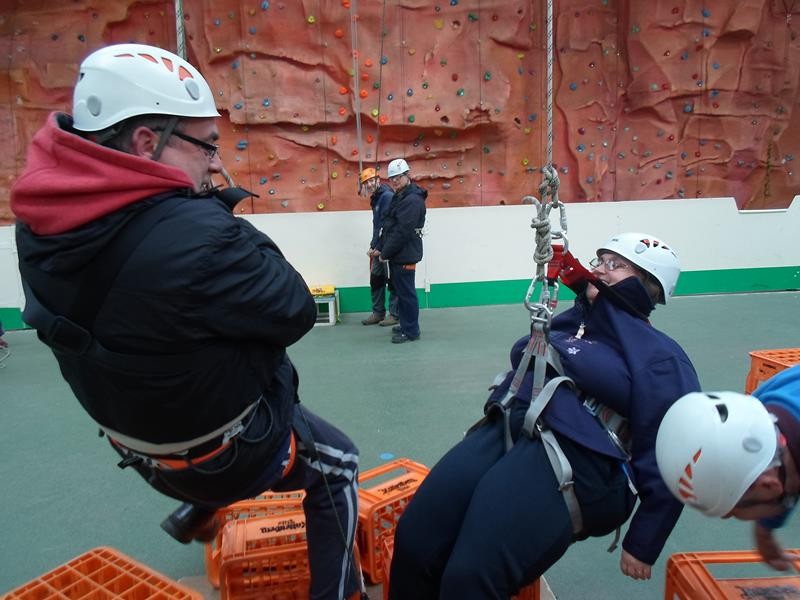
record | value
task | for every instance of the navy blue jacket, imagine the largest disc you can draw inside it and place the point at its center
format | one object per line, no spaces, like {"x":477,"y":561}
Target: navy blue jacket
{"x":781,"y":396}
{"x":379,"y":201}
{"x":401,"y":240}
{"x":636,"y":370}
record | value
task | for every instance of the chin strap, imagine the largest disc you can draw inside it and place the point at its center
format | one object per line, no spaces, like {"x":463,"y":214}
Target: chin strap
{"x":164,"y":138}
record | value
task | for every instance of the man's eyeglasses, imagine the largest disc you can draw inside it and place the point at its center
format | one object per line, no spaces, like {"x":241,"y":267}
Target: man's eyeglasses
{"x":396,"y":177}
{"x":211,"y":150}
{"x":609,"y":264}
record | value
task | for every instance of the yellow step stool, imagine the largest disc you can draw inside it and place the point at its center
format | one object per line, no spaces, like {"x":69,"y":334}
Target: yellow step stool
{"x":327,"y":299}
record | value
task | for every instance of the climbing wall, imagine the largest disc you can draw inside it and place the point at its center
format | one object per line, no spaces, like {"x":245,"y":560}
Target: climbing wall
{"x":663,"y":99}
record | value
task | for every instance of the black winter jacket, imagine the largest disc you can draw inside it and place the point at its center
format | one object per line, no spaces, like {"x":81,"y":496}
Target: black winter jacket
{"x":401,"y":240}
{"x":202,"y":284}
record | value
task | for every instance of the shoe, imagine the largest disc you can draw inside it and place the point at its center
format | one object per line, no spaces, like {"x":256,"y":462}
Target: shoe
{"x":389,"y":320}
{"x":373,"y":319}
{"x":402,"y":338}
{"x":189,"y":522}
{"x":397,"y":329}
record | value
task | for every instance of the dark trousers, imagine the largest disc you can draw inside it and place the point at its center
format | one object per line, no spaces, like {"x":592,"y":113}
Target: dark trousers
{"x":378,"y":282}
{"x":403,"y":278}
{"x":486,"y":523}
{"x":325,"y":466}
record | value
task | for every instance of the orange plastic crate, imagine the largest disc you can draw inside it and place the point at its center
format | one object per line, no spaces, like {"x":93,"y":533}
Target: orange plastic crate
{"x":265,"y":558}
{"x":266,"y":504}
{"x":766,"y":363}
{"x":530,"y":592}
{"x":689,"y":579}
{"x":103,"y":573}
{"x":380,"y":507}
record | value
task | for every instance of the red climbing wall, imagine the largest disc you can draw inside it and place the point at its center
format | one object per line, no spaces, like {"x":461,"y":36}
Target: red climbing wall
{"x":662,"y":99}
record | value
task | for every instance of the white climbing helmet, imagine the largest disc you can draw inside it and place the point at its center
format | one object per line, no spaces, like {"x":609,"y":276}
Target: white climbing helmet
{"x":397,"y":167}
{"x":712,"y":446}
{"x":127,"y":80}
{"x":650,"y":254}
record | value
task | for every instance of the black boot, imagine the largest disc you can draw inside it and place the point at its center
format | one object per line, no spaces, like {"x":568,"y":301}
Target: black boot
{"x":189,"y":522}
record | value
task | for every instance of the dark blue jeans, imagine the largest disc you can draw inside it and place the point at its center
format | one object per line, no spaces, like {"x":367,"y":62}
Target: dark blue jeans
{"x":486,"y":523}
{"x":378,"y":282}
{"x":403,"y":279}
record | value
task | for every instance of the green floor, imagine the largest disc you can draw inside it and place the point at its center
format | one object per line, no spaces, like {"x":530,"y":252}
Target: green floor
{"x":62,"y":494}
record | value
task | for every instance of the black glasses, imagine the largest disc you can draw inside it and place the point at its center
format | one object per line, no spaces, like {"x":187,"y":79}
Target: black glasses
{"x":210,"y":149}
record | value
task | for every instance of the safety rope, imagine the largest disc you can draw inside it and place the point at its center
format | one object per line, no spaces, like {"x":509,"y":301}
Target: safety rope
{"x":380,"y":88}
{"x":356,"y":82}
{"x":180,"y":50}
{"x":180,"y":30}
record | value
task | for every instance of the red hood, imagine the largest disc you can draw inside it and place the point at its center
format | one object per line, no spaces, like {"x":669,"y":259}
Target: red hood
{"x":69,"y":181}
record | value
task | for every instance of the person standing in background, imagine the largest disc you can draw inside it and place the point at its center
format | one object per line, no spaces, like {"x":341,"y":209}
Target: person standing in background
{"x":401,"y":246}
{"x":380,"y":196}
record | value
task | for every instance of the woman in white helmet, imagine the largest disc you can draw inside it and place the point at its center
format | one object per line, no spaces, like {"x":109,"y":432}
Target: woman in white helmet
{"x":169,"y":316}
{"x":731,"y":455}
{"x":488,"y":520}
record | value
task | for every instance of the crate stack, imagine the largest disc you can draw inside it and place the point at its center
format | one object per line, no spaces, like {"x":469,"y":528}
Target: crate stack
{"x":766,"y":363}
{"x":688,"y":578}
{"x":261,"y":550}
{"x":103,"y":573}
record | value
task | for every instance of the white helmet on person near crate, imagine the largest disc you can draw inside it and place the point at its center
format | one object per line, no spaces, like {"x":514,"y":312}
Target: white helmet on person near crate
{"x":127,"y":80}
{"x":649,"y":254}
{"x":710,"y":447}
{"x":397,"y":167}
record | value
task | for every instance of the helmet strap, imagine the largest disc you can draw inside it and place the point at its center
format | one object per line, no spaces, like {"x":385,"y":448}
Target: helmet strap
{"x":164,"y":138}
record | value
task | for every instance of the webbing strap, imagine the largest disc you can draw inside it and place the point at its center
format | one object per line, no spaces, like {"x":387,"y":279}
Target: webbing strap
{"x":558,"y":460}
{"x":563,"y":472}
{"x":540,"y":402}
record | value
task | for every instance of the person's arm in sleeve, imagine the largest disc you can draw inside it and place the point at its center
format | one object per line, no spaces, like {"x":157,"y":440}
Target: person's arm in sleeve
{"x":250,"y":290}
{"x":658,"y":510}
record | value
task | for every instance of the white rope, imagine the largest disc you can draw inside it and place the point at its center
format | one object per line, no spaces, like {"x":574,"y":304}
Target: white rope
{"x":356,"y":82}
{"x":180,"y":31}
{"x":549,"y":82}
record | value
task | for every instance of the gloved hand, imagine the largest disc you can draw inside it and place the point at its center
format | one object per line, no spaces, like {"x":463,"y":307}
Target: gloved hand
{"x":555,"y":264}
{"x":573,"y":274}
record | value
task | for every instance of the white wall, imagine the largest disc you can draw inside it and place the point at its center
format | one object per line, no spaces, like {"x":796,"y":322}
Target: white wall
{"x":496,"y":243}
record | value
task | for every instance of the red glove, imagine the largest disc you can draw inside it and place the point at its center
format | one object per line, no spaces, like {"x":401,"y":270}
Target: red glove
{"x":574,"y":275}
{"x":555,"y":264}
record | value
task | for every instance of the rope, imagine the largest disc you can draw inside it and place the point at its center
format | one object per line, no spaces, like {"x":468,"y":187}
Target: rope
{"x":549,"y":82}
{"x":380,"y":87}
{"x":356,"y":82}
{"x":541,"y":312}
{"x":180,"y":31}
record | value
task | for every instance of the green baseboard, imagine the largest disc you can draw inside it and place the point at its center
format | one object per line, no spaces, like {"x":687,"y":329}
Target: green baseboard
{"x":482,"y":293}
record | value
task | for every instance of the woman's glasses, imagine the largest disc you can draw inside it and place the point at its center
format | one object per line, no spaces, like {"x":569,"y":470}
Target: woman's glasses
{"x":609,"y":264}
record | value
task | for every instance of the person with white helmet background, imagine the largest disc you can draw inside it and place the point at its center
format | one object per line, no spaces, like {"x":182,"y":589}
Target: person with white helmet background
{"x":170,"y":317}
{"x":380,"y":196}
{"x":728,"y":454}
{"x":563,"y":450}
{"x":400,"y":245}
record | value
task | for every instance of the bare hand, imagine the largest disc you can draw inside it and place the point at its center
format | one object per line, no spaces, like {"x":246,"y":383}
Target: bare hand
{"x":770,"y":550}
{"x":633,"y":567}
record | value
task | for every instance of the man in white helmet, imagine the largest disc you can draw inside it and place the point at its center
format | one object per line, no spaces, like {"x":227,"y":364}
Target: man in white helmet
{"x":400,"y":245}
{"x":169,"y":316}
{"x":731,"y":455}
{"x":500,"y":508}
